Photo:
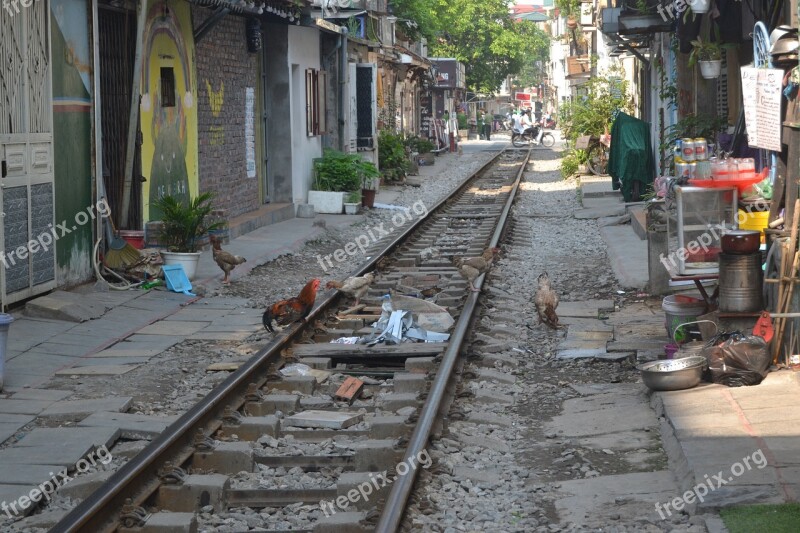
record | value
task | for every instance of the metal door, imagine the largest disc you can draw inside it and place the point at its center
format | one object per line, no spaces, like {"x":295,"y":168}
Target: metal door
{"x":26,"y":155}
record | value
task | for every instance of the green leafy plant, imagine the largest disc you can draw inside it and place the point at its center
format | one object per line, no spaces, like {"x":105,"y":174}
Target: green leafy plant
{"x":339,"y":172}
{"x":570,"y":163}
{"x":184,"y":223}
{"x":463,"y":123}
{"x":419,"y":145}
{"x":392,"y":156}
{"x":569,"y":8}
{"x":353,"y":197}
{"x":704,"y":51}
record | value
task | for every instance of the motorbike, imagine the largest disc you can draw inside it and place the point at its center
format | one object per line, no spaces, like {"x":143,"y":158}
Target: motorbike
{"x":550,"y":124}
{"x":530,"y":136}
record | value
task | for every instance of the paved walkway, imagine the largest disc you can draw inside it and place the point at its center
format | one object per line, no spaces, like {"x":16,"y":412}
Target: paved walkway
{"x":727,"y":445}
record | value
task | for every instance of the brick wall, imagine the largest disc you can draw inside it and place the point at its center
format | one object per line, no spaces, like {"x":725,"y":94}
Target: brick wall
{"x":222,"y":58}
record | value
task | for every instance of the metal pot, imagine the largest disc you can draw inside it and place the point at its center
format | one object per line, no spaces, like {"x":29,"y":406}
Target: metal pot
{"x":673,"y":374}
{"x":742,"y":241}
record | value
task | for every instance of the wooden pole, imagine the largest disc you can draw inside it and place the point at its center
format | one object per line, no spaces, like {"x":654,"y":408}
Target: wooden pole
{"x":133,"y":118}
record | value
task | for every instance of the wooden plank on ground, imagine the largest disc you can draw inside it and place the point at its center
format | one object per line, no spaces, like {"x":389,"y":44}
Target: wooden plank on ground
{"x":355,"y":351}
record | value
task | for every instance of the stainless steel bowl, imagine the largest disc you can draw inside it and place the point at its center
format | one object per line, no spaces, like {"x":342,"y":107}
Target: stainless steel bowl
{"x":673,"y":374}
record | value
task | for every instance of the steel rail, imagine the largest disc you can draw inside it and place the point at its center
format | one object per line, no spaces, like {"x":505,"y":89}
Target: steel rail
{"x":135,"y":478}
{"x":395,"y":506}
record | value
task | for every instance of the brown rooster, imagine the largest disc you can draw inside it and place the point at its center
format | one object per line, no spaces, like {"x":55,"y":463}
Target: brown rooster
{"x":225,"y":260}
{"x":472,"y":267}
{"x":356,"y":287}
{"x":546,"y":301}
{"x":289,"y":311}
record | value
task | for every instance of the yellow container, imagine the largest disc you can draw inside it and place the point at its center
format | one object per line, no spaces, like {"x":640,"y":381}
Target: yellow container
{"x":754,"y":220}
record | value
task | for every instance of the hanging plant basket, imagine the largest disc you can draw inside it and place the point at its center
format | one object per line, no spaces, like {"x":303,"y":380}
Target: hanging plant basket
{"x":699,"y":6}
{"x":710,"y":69}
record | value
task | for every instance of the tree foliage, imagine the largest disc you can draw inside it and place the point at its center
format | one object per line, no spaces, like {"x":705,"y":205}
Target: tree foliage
{"x":593,"y":112}
{"x":482,"y":35}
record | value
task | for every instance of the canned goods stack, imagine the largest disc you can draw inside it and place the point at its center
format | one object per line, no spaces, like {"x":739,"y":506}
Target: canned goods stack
{"x":691,"y":159}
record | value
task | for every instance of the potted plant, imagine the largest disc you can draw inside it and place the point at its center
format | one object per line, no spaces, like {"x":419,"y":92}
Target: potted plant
{"x":709,"y":56}
{"x":423,"y":148}
{"x":184,"y":224}
{"x":392,"y":156}
{"x":352,"y":203}
{"x":571,"y":9}
{"x":369,"y":188}
{"x":336,"y":174}
{"x":641,"y":18}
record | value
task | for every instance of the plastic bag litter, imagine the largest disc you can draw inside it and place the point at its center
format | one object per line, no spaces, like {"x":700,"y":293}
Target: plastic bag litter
{"x":740,"y":360}
{"x":345,"y":340}
{"x":295,"y":369}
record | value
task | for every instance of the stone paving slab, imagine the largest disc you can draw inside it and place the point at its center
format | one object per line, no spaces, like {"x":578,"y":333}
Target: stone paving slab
{"x":581,"y":353}
{"x":61,"y":305}
{"x":593,"y":502}
{"x":609,"y":400}
{"x":11,"y":493}
{"x":120,"y":350}
{"x":173,"y":328}
{"x":238,"y":320}
{"x":13,"y":419}
{"x":109,"y":361}
{"x":603,"y":420}
{"x":76,"y":339}
{"x":220,"y":335}
{"x":156,"y":341}
{"x":96,"y":370}
{"x":7,"y":431}
{"x":65,"y":349}
{"x":584,"y":324}
{"x":24,"y":407}
{"x":195,"y":314}
{"x":24,"y":379}
{"x":222,"y":303}
{"x":38,"y":364}
{"x":628,"y":344}
{"x":69,"y":439}
{"x":131,"y":425}
{"x":118,"y":404}
{"x":53,"y":395}
{"x":28,"y":474}
{"x":599,"y":212}
{"x":323,"y":419}
{"x":581,"y":334}
{"x":582,"y":344}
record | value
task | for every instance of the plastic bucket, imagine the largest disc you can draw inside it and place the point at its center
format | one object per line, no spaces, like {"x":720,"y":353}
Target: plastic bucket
{"x":5,"y":322}
{"x":754,"y":220}
{"x":681,"y":309}
{"x":133,"y":237}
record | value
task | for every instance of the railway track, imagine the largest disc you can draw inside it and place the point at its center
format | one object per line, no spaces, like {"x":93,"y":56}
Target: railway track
{"x":282,"y":445}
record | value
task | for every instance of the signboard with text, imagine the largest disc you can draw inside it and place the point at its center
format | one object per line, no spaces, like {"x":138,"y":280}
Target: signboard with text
{"x":761,"y":92}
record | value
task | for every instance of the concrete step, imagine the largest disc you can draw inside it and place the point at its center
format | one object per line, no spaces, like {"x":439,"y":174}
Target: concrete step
{"x":639,"y":221}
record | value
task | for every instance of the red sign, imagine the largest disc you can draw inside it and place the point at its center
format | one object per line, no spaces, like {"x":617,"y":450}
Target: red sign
{"x":523,"y":97}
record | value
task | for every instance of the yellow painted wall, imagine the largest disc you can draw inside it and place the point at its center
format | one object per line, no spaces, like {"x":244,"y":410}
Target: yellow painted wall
{"x":169,"y":149}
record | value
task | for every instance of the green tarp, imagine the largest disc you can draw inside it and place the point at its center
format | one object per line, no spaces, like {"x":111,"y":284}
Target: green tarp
{"x":631,"y":156}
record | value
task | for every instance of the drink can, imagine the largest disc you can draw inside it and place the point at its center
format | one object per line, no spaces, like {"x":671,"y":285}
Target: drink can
{"x":676,"y":151}
{"x":702,"y":170}
{"x":687,"y":149}
{"x":683,"y":170}
{"x":700,"y":149}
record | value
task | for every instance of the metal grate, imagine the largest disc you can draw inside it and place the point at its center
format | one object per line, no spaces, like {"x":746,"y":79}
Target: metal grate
{"x":116,"y":70}
{"x":364,"y":107}
{"x":43,"y":261}
{"x":15,"y":223}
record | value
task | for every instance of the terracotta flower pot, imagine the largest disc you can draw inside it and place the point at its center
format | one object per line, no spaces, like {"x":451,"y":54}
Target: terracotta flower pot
{"x":368,"y":197}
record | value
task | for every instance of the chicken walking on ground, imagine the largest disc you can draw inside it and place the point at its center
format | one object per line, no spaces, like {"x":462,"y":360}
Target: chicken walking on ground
{"x":355,"y":287}
{"x":289,"y":311}
{"x":546,"y":301}
{"x":225,"y":260}
{"x":472,"y":267}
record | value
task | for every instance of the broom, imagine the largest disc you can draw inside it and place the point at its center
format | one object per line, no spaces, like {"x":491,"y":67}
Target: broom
{"x":120,"y":253}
